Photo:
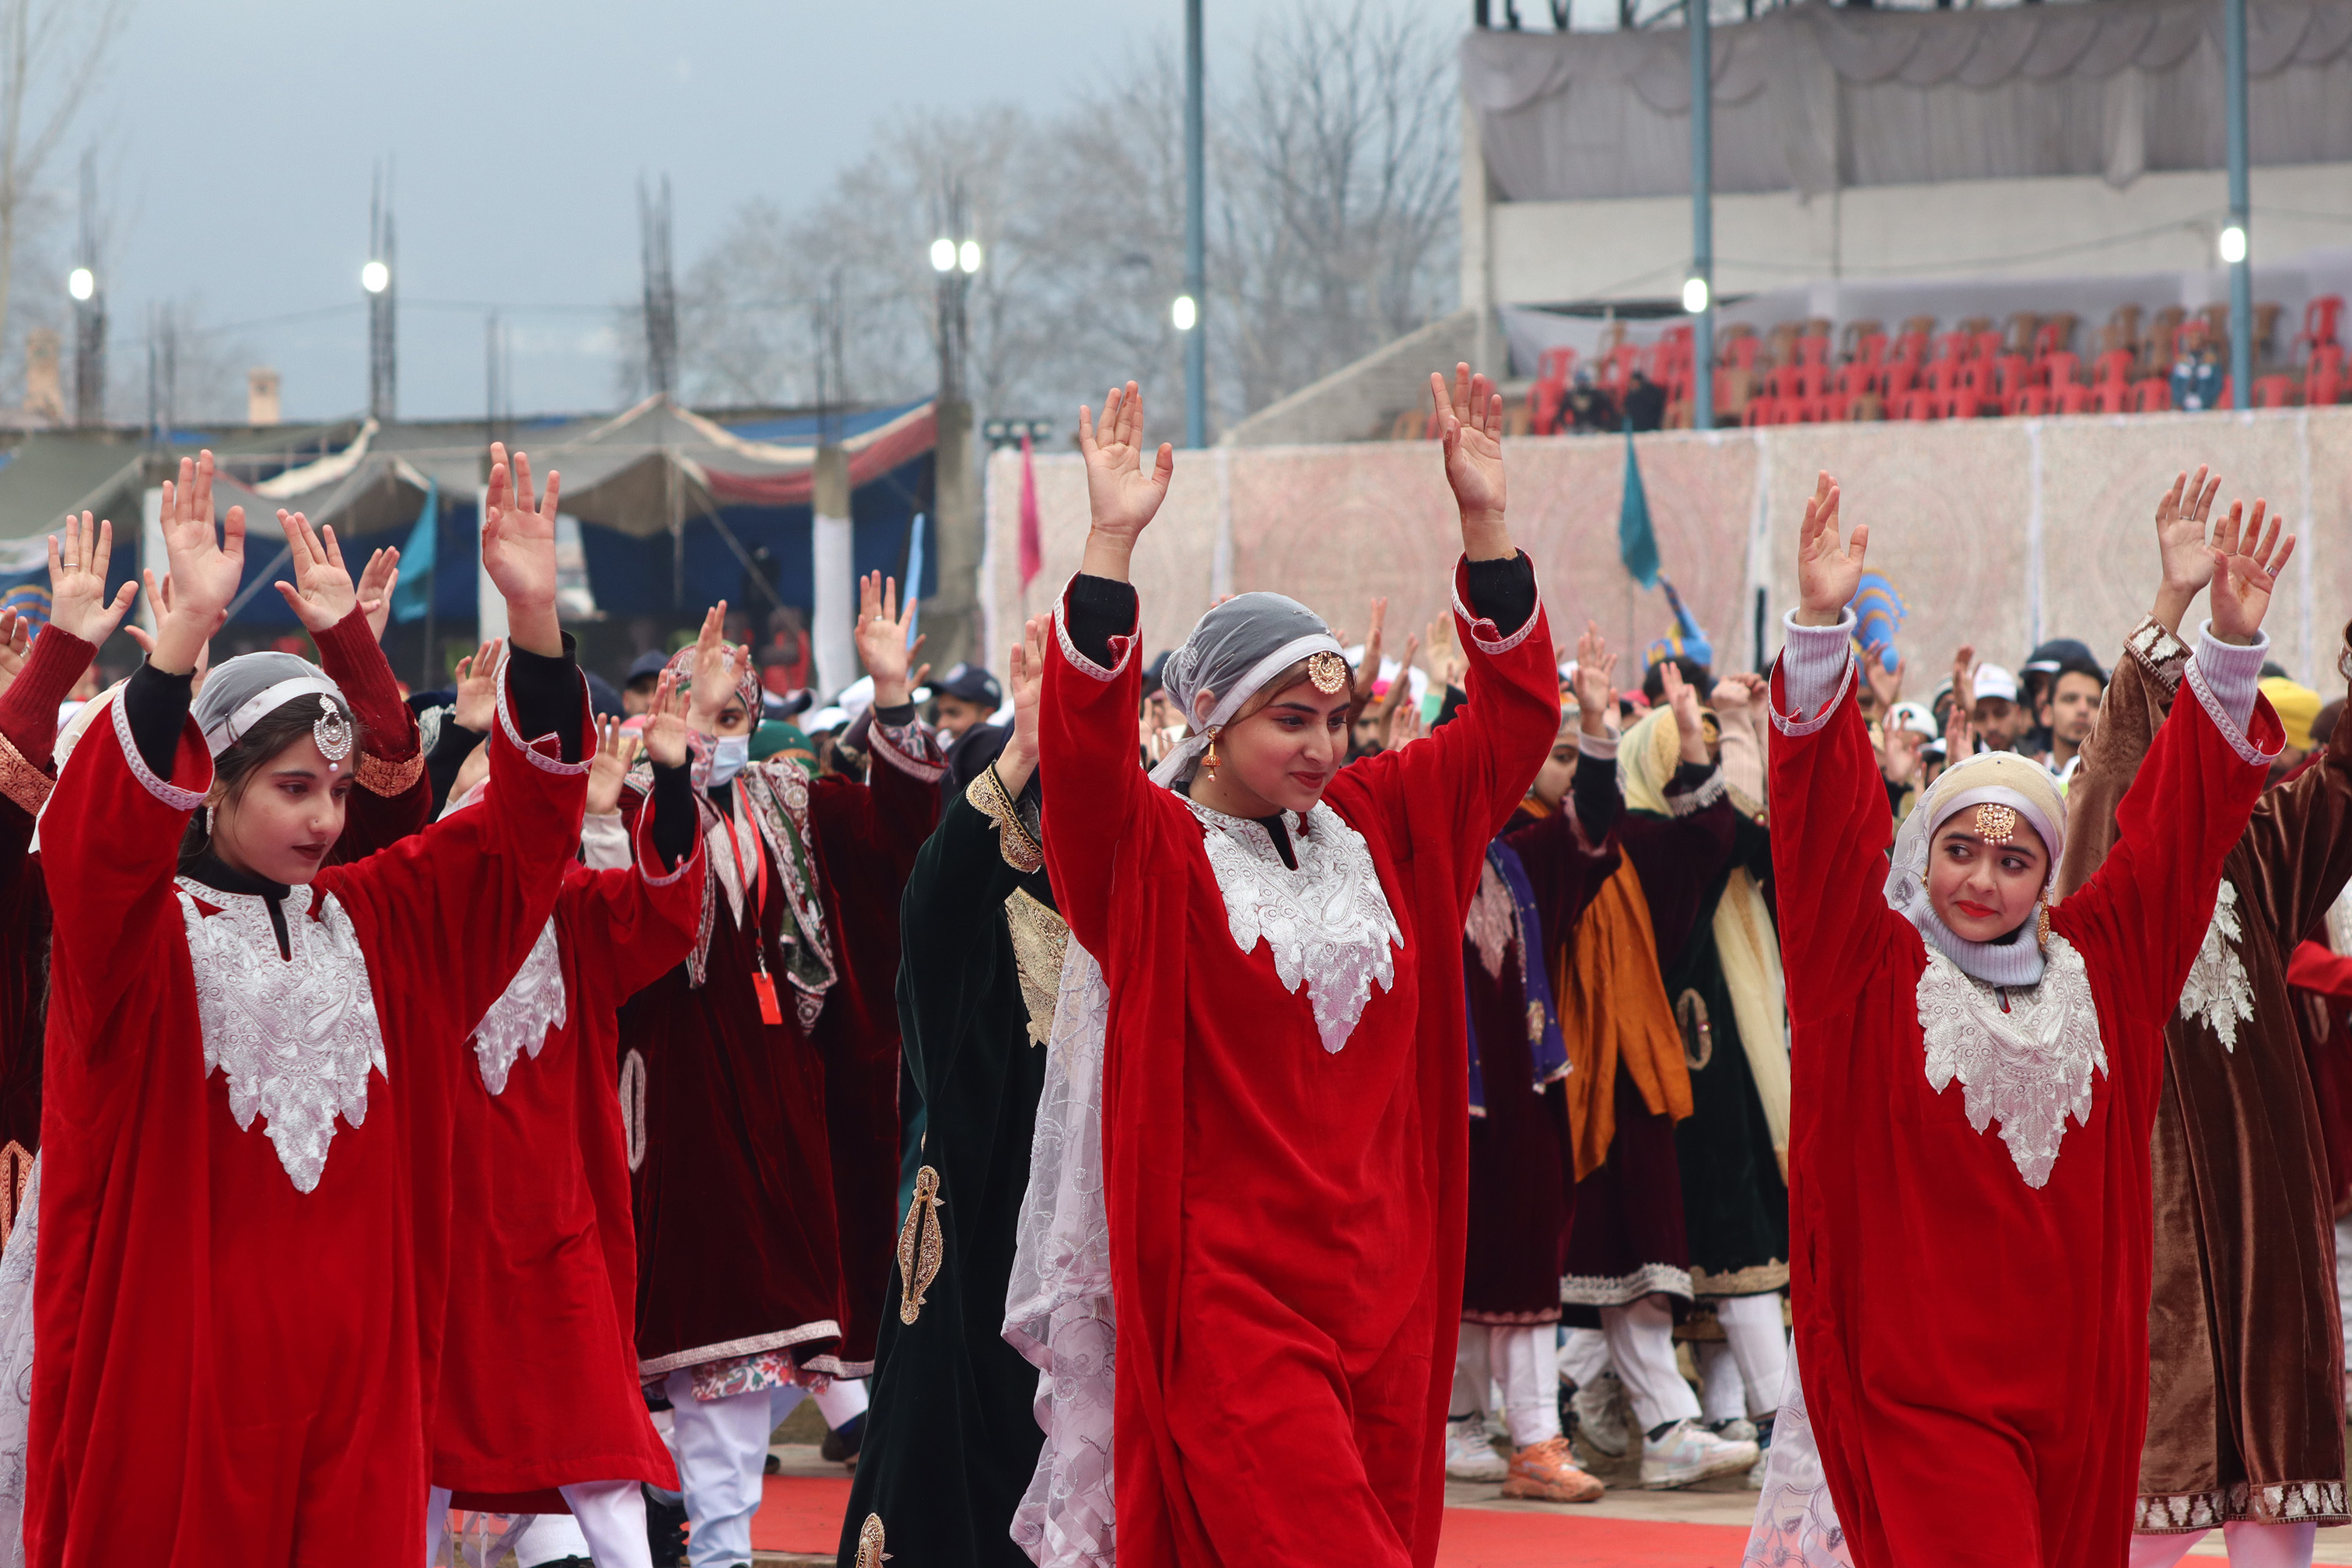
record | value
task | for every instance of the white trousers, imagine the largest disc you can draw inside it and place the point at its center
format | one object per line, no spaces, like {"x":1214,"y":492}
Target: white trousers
{"x":1742,"y":1376}
{"x":2343,"y":1282}
{"x":1520,"y":1359}
{"x":722,"y":1458}
{"x":1583,"y":1356}
{"x":2250,"y":1546}
{"x":1641,"y":1340}
{"x":610,"y":1517}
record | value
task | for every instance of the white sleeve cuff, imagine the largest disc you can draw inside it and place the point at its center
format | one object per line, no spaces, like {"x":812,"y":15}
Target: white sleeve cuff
{"x":1600,"y":748}
{"x":1816,"y":664}
{"x":2225,"y":678}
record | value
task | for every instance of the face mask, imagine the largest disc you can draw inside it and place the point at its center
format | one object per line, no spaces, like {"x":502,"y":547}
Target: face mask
{"x":727,"y":757}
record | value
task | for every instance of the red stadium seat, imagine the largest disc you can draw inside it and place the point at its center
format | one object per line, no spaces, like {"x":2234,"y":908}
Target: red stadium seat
{"x":2074,"y":397}
{"x":2274,"y":391}
{"x":2153,"y":395}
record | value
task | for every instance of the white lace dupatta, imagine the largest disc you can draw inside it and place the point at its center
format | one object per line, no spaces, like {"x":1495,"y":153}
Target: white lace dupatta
{"x":16,"y":1367}
{"x":1057,"y":1310}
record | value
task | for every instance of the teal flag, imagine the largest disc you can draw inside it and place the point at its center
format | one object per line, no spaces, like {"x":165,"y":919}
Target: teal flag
{"x":414,"y":596}
{"x":1637,"y":546}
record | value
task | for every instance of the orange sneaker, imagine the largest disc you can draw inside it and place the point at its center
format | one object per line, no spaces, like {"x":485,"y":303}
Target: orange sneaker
{"x":1546,"y":1472}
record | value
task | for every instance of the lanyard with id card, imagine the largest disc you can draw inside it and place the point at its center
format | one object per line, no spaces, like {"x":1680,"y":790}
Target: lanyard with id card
{"x":754,"y":879}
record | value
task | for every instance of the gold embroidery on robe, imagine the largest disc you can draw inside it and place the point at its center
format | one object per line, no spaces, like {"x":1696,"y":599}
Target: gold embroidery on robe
{"x":16,"y":1170}
{"x":920,"y":1244}
{"x":1040,"y":940}
{"x":869,"y":1544}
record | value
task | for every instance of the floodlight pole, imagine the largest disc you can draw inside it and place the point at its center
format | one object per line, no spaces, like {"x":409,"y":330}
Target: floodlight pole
{"x":1196,"y":237}
{"x":2242,"y":271}
{"x":1702,"y":214}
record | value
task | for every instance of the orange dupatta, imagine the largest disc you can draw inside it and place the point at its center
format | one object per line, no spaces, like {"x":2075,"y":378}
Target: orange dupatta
{"x":1613,"y":1007}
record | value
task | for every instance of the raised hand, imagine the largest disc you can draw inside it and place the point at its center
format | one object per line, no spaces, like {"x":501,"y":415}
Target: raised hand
{"x":159,"y":598}
{"x":1367,"y":669}
{"x":519,"y":552}
{"x":321,"y":593}
{"x":1828,"y":569}
{"x":1026,"y":669}
{"x":1885,"y":685}
{"x":477,"y":687}
{"x":615,"y":752}
{"x":205,"y":567}
{"x":1683,"y":698}
{"x":882,"y":637}
{"x":1446,"y":665}
{"x":1404,"y":723}
{"x":1959,"y":725}
{"x":78,"y":604}
{"x":2244,"y":573}
{"x":1596,"y":693}
{"x":376,"y":584}
{"x":15,"y":644}
{"x":1120,"y":497}
{"x":664,"y":729}
{"x":1470,"y":426}
{"x":714,"y":666}
{"x":2180,"y":518}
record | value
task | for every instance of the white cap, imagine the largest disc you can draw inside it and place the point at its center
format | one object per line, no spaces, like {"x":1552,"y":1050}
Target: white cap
{"x":1994,"y":681}
{"x":1915,"y":717}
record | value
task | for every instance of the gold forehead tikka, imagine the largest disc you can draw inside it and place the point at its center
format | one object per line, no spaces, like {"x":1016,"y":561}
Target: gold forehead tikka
{"x":1995,"y":824}
{"x":1328,"y":671}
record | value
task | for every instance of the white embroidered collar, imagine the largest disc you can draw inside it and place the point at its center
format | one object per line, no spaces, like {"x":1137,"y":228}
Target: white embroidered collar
{"x":1327,"y":924}
{"x":293,"y":1038}
{"x":518,"y":1021}
{"x":2027,"y":1066}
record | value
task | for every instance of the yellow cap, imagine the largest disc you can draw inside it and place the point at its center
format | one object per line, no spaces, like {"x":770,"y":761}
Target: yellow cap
{"x":2297,"y":707}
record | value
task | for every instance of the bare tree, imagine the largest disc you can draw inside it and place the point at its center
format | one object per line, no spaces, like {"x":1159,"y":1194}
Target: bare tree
{"x":1332,"y":182}
{"x":51,"y":52}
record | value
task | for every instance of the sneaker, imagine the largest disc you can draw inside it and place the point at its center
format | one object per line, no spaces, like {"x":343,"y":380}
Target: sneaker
{"x":1689,"y":1453}
{"x":666,"y":1531}
{"x":1601,"y":1419}
{"x":1547,"y":1472}
{"x":1739,"y":1429}
{"x":1469,"y":1457}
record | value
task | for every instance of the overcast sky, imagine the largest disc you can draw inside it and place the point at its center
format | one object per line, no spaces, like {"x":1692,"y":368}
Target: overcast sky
{"x":238,"y":138}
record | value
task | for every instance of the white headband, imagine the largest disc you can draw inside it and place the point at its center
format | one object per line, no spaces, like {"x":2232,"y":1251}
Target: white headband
{"x":267,"y":700}
{"x":1171,"y":767}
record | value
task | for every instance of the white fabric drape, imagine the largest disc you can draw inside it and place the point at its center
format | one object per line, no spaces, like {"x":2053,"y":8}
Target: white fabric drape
{"x":1057,"y":1309}
{"x":17,"y":1365}
{"x":1813,"y":97}
{"x":1796,"y":1523}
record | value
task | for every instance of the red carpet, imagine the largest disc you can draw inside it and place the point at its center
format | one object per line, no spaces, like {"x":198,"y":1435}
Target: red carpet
{"x":803,"y":1514}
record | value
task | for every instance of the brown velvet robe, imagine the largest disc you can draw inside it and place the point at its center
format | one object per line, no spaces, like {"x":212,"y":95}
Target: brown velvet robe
{"x":2246,"y":1362}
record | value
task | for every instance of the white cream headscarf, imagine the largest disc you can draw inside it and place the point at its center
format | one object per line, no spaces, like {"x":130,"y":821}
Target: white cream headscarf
{"x":1989,"y":778}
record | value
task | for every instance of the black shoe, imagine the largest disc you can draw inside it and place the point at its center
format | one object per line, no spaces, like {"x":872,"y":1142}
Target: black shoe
{"x":666,"y":1531}
{"x":774,"y":1466}
{"x":840,"y":1445}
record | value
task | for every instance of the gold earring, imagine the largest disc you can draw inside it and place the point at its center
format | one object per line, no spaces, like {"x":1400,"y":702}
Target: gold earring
{"x":1209,"y":761}
{"x":2041,"y":924}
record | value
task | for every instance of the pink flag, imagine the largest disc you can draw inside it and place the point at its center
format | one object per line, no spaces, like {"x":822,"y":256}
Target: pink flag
{"x":1033,"y":549}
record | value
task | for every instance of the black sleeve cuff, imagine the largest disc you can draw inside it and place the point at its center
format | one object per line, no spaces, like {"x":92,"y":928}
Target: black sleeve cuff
{"x":1099,"y":610}
{"x":1688,"y":776}
{"x":546,"y":696}
{"x":674,"y":818}
{"x":450,"y":749}
{"x":1599,"y":801}
{"x":895,"y":715}
{"x":1502,"y":590}
{"x":156,"y":705}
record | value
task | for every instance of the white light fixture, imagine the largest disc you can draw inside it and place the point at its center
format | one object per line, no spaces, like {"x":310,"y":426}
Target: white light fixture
{"x":81,"y":283}
{"x":1185,"y":312}
{"x":2233,"y":245}
{"x":943,"y":255}
{"x":376,"y":277}
{"x":1695,"y":295}
{"x":967,"y":255}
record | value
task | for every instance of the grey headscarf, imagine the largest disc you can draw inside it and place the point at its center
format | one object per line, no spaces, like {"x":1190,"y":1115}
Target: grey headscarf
{"x":249,"y":688}
{"x":1234,"y":649}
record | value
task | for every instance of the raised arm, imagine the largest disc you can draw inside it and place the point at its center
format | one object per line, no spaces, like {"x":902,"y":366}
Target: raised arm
{"x":1830,"y":816}
{"x":2301,"y":833}
{"x":42,"y":669}
{"x":2153,"y":897}
{"x":1481,"y":762}
{"x":1086,"y":730}
{"x":111,"y":834}
{"x":644,"y":916}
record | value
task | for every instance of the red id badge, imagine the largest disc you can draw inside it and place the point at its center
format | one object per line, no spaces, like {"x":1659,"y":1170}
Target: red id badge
{"x":769,"y":1012}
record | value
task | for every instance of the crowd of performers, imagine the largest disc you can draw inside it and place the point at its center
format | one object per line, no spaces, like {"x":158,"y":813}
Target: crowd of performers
{"x":1338,"y":1091}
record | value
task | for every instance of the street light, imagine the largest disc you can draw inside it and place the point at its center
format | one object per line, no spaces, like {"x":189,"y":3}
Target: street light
{"x":2234,"y":246}
{"x":1695,"y":296}
{"x":81,"y":283}
{"x":1185,"y":312}
{"x":376,"y":277}
{"x":967,"y":255}
{"x":943,"y":255}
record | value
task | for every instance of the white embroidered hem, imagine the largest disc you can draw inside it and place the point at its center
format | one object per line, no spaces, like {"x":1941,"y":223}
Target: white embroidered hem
{"x":1122,"y":647}
{"x":536,"y":757}
{"x":169,"y":793}
{"x":728,"y":1350}
{"x":1602,"y":1290}
{"x":1487,"y":635}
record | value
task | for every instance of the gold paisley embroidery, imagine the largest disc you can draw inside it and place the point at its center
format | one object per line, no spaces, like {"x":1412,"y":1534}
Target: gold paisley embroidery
{"x":22,"y":784}
{"x":869,"y":1544}
{"x":16,"y":1170}
{"x":381,"y":776}
{"x":1013,"y":841}
{"x":1697,"y":1029}
{"x":919,"y":1245}
{"x":1040,"y":940}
